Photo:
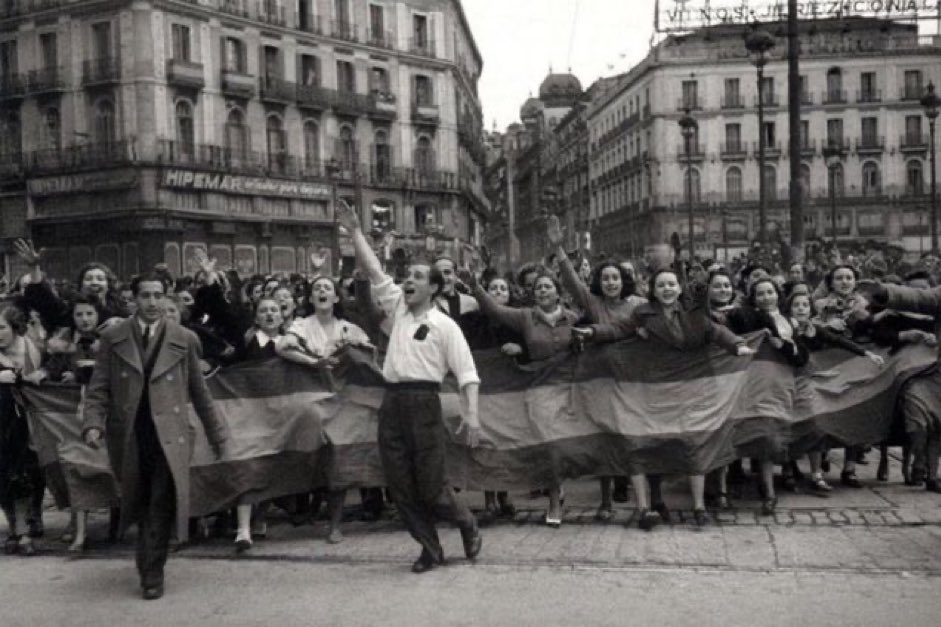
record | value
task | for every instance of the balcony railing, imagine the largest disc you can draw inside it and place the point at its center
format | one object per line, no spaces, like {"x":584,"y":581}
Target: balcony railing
{"x":271,"y":13}
{"x":808,"y":147}
{"x":101,"y":71}
{"x":84,"y":156}
{"x":309,"y":23}
{"x":840,"y":144}
{"x":185,"y":74}
{"x":772,"y":149}
{"x":352,"y":103}
{"x":346,"y":31}
{"x":314,"y":96}
{"x":834,"y":97}
{"x":768,"y":100}
{"x":47,"y":80}
{"x":730,"y":101}
{"x":422,"y":46}
{"x":870,"y":144}
{"x":868,"y":96}
{"x":238,"y":84}
{"x":380,"y":39}
{"x":807,"y":98}
{"x":12,"y":86}
{"x":274,"y":89}
{"x":913,"y":141}
{"x":693,"y":104}
{"x":383,"y":104}
{"x":425,"y":112}
{"x":911,"y":92}
{"x":235,"y":7}
{"x":696,"y":151}
{"x":734,"y":150}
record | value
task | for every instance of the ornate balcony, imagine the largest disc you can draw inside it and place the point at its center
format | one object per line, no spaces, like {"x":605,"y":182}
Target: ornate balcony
{"x":732,"y":101}
{"x":103,"y":71}
{"x":277,"y":90}
{"x":913,"y":142}
{"x":350,"y":103}
{"x":425,"y":113}
{"x":869,"y":96}
{"x":870,"y":145}
{"x":734,"y":151}
{"x":50,"y":80}
{"x":238,"y":84}
{"x":834,"y":97}
{"x":383,"y":105}
{"x":80,"y":157}
{"x":422,"y":47}
{"x":346,"y":31}
{"x":185,"y":74}
{"x":315,"y":97}
{"x":696,"y":152}
{"x":381,"y":39}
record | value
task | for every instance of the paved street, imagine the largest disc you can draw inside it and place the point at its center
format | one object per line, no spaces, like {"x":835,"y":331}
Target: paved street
{"x":862,"y":557}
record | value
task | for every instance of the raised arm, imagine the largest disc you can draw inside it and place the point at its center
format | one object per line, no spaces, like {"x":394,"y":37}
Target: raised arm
{"x":507,"y":316}
{"x":367,"y":259}
{"x":570,"y":279}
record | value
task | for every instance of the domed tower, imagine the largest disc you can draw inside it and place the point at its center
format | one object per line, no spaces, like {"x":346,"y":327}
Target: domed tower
{"x":558,"y":94}
{"x":531,"y":111}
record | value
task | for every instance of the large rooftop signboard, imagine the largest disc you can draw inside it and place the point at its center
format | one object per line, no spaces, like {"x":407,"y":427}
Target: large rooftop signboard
{"x":673,"y":16}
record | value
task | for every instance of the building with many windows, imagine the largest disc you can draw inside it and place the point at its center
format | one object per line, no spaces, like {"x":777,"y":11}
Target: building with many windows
{"x":133,"y":132}
{"x":861,"y":81}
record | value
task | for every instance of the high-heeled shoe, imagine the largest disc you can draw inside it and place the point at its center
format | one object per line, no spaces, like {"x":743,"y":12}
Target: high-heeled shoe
{"x":243,"y":542}
{"x":647,"y":519}
{"x":850,"y":480}
{"x":768,"y":506}
{"x":701,"y":518}
{"x":664,"y":512}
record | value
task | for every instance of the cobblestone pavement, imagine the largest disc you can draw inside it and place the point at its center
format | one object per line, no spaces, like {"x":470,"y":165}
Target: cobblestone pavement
{"x":884,"y":527}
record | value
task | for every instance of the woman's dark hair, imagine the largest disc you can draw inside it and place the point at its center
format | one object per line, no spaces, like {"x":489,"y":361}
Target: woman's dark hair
{"x":545,"y":274}
{"x":754,"y":288}
{"x":828,"y":281}
{"x":337,"y":306}
{"x":81,"y":299}
{"x":627,"y":283}
{"x":15,"y":317}
{"x":793,"y":296}
{"x":652,"y":281}
{"x":528,"y":268}
{"x":720,"y":272}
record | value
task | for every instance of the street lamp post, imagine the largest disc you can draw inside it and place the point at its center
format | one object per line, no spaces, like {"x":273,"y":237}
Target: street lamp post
{"x":332,"y":170}
{"x":930,"y":102}
{"x":688,"y":127}
{"x":832,"y":156}
{"x":759,"y":42}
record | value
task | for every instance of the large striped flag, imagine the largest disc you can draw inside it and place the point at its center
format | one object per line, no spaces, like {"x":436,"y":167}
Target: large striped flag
{"x":616,"y":409}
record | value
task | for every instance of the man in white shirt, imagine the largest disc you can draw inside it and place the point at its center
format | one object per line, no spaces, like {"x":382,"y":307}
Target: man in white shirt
{"x":424,"y":345}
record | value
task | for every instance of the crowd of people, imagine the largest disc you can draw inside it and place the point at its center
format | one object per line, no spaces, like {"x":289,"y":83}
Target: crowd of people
{"x":53,"y":330}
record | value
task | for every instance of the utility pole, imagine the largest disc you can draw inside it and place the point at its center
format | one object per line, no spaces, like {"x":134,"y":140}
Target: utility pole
{"x":794,"y":135}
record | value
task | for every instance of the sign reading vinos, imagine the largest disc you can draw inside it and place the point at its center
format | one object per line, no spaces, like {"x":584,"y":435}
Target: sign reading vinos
{"x":248,"y":185}
{"x":685,"y":15}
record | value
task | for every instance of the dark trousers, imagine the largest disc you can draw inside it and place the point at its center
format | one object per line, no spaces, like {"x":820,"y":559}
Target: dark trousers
{"x":156,"y":505}
{"x":412,"y":447}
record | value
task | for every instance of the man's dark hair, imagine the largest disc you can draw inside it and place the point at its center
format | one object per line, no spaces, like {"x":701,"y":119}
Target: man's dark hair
{"x":149,"y":277}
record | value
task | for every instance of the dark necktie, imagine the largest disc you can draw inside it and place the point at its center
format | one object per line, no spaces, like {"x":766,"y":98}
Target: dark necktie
{"x":145,"y":341}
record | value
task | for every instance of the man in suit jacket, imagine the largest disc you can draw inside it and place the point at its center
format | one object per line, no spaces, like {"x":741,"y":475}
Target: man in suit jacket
{"x":146,"y":373}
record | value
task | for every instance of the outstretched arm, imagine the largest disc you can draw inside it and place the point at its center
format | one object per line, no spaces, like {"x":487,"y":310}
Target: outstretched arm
{"x":367,"y":259}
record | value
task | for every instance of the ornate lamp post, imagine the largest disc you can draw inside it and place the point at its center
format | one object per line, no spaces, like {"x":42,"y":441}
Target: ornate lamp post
{"x":832,"y":154}
{"x":930,"y":102}
{"x":758,"y":42}
{"x":688,"y":127}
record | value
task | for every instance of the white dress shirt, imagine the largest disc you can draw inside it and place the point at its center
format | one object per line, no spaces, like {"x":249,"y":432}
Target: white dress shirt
{"x":443,"y":350}
{"x":324,"y":342}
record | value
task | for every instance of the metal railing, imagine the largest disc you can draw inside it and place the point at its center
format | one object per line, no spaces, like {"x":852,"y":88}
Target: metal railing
{"x":277,"y":89}
{"x":380,"y":39}
{"x":422,"y":46}
{"x":913,"y":141}
{"x":347,"y":31}
{"x":732,"y":102}
{"x":871,"y":143}
{"x":833,"y":96}
{"x":101,"y":70}
{"x":869,"y":95}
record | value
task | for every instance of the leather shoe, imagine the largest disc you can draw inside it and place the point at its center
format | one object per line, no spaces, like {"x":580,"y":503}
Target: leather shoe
{"x":152,"y":593}
{"x":472,"y":541}
{"x":850,"y":480}
{"x":424,"y":563}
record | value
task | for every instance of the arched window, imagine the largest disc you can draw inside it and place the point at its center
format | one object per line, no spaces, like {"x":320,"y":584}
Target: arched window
{"x":346,"y":148}
{"x":872,"y":181}
{"x":805,"y":181}
{"x":733,"y":184}
{"x":236,"y":137}
{"x":185,"y":132}
{"x":771,"y":182}
{"x":836,"y":184}
{"x":274,"y":134}
{"x":383,"y":156}
{"x":105,"y":126}
{"x":311,"y":145}
{"x":691,"y":175}
{"x":424,"y":155}
{"x":914,"y":178}
{"x":51,"y":130}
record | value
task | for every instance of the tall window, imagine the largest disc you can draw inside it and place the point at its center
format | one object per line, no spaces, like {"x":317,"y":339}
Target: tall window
{"x":185,"y":133}
{"x":105,"y":125}
{"x":834,"y":84}
{"x":732,"y":92}
{"x":8,"y":61}
{"x":733,"y":184}
{"x":101,"y":39}
{"x":804,"y":89}
{"x":912,"y":130}
{"x":914,"y":178}
{"x":272,"y":58}
{"x":424,"y":96}
{"x":771,"y":182}
{"x":420,"y":31}
{"x":870,"y":131}
{"x":10,"y":136}
{"x":51,"y":130}
{"x":234,"y":58}
{"x":181,"y":42}
{"x":835,"y":184}
{"x":913,"y":84}
{"x":341,"y":9}
{"x":379,"y":81}
{"x":305,"y":15}
{"x":236,"y":136}
{"x":867,"y":87}
{"x":377,"y":22}
{"x":383,"y":155}
{"x":835,"y":133}
{"x":346,"y":148}
{"x":690,"y":94}
{"x":767,"y":90}
{"x":770,"y":134}
{"x":311,"y":145}
{"x":425,"y":216}
{"x":424,"y":155}
{"x":277,"y":145}
{"x":309,"y":70}
{"x":692,"y":183}
{"x":346,"y":77}
{"x":733,"y":137}
{"x":49,"y":50}
{"x":805,"y":135}
{"x":872,"y":182}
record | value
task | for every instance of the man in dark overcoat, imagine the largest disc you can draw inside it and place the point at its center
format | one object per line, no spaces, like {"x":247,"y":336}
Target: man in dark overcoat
{"x":146,"y":375}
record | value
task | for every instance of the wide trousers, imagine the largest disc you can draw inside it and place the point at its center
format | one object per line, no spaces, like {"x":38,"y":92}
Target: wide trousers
{"x":412,"y":446}
{"x":156,"y":503}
